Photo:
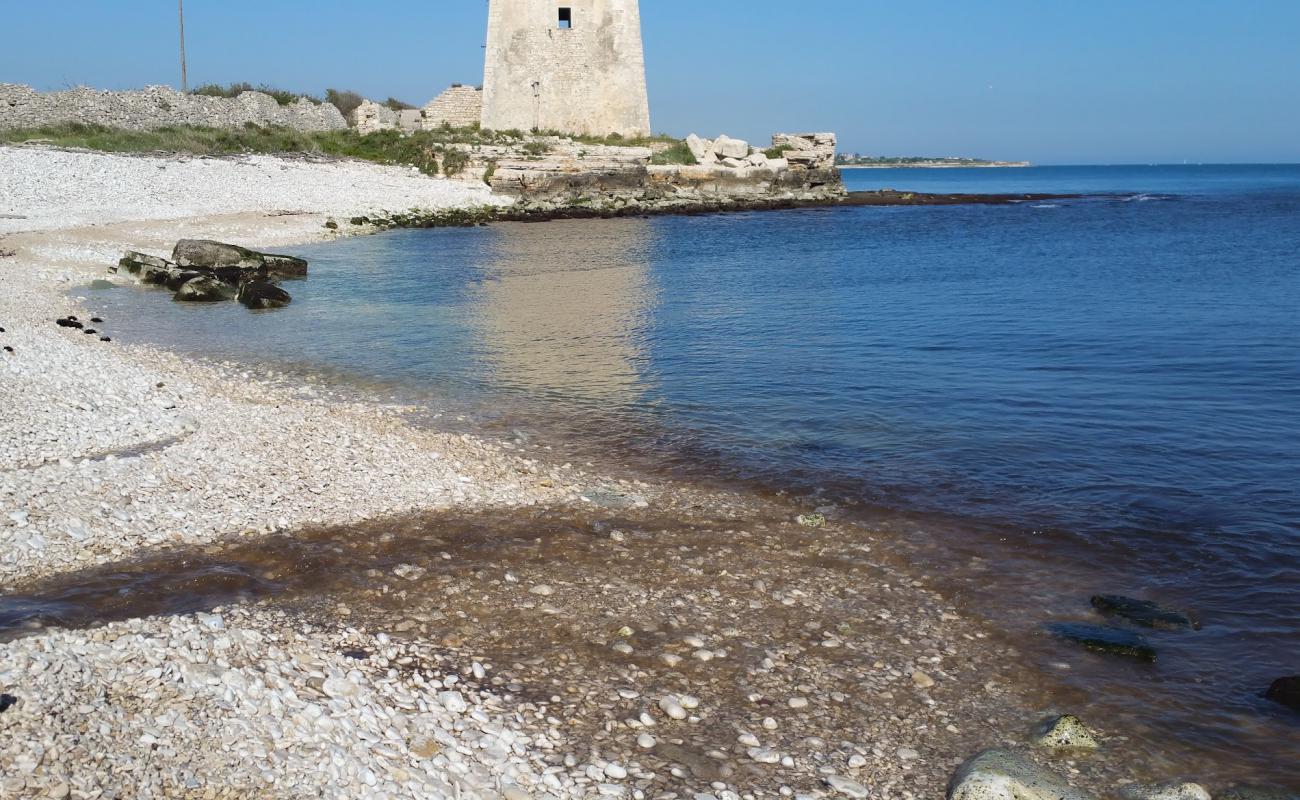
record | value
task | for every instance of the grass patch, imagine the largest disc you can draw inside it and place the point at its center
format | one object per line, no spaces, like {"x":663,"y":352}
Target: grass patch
{"x":611,"y":140}
{"x":677,"y":154}
{"x":281,"y":96}
{"x":398,"y":105}
{"x":778,"y":152}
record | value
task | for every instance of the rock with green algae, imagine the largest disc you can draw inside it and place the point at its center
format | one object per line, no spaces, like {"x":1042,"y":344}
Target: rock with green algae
{"x":1101,"y":639}
{"x":1256,"y":793}
{"x":1004,"y":775}
{"x":1066,"y":732}
{"x":1142,"y":612}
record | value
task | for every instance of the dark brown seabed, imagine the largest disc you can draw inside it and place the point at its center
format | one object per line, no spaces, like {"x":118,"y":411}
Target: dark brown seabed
{"x":830,"y":614}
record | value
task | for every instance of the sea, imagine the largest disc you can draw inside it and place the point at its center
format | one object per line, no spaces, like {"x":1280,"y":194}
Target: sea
{"x":1038,"y":401}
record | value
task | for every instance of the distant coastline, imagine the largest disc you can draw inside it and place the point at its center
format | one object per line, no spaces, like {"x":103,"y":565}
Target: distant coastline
{"x":931,"y":163}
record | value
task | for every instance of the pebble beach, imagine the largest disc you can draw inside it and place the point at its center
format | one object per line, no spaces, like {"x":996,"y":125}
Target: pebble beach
{"x":407,"y":612}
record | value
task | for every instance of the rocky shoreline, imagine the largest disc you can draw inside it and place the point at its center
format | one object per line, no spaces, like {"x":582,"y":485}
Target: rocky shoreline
{"x":303,"y":594}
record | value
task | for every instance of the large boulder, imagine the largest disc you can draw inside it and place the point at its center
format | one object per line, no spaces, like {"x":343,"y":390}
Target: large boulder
{"x":207,"y":254}
{"x":262,"y":294}
{"x":203,"y":289}
{"x":1003,"y":775}
{"x":1285,"y":691}
{"x":726,"y":147}
{"x":700,"y":148}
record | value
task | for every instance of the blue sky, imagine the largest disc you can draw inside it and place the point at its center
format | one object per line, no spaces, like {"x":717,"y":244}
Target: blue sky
{"x":1052,"y":81}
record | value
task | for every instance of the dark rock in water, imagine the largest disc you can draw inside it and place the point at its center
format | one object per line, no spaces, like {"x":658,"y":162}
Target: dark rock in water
{"x":204,"y":288}
{"x":68,"y":322}
{"x":8,"y":349}
{"x":357,"y":655}
{"x":100,"y":285}
{"x":155,"y":276}
{"x":261,"y":294}
{"x":1003,"y":775}
{"x":1176,"y":790}
{"x":1114,"y":641}
{"x":90,"y":331}
{"x":105,"y":339}
{"x":134,"y":262}
{"x":207,"y":254}
{"x":1255,"y":793}
{"x":284,"y":266}
{"x":1285,"y":691}
{"x":1142,"y":612}
{"x":96,"y":319}
{"x":7,"y":702}
{"x":236,"y":275}
{"x":179,"y":277}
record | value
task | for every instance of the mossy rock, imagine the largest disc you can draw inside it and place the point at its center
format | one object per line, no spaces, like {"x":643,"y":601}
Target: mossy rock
{"x":1101,"y":639}
{"x":1142,"y":612}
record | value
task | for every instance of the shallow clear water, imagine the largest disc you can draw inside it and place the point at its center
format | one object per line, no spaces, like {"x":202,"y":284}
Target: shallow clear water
{"x":1104,"y":392}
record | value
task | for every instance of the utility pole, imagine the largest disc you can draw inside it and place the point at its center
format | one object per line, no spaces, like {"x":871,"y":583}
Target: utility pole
{"x":184,"y":80}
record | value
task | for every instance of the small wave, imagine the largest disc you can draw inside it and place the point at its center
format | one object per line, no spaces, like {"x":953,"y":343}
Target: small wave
{"x":1046,"y":205}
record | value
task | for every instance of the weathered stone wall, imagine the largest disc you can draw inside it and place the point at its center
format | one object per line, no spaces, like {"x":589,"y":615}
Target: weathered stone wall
{"x":371,"y":116}
{"x":459,"y":107}
{"x":157,"y":107}
{"x":587,"y":79}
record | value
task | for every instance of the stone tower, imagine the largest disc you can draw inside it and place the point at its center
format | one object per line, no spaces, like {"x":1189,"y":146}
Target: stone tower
{"x":575,"y":66}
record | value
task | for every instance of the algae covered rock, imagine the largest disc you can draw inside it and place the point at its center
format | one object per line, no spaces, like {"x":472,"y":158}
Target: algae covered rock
{"x":262,"y":294}
{"x":1066,"y":732}
{"x":1101,"y":639}
{"x":1256,"y":793}
{"x":207,"y":254}
{"x":1164,"y":791}
{"x":1003,"y":775}
{"x":203,"y":289}
{"x":1142,"y":612}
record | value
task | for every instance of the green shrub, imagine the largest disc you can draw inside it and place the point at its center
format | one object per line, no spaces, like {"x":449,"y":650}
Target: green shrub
{"x":489,"y":172}
{"x":398,"y":105}
{"x":345,"y":101}
{"x":777,"y":152}
{"x":454,"y":162}
{"x":281,"y":96}
{"x":536,"y":148}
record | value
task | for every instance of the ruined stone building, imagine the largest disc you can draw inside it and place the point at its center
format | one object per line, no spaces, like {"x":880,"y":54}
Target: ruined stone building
{"x":575,"y":66}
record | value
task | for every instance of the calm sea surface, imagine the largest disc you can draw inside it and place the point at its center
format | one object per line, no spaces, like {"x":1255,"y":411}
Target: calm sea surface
{"x":1045,"y":399}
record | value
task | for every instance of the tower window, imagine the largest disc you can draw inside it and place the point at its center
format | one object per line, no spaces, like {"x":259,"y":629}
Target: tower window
{"x":566,"y":18}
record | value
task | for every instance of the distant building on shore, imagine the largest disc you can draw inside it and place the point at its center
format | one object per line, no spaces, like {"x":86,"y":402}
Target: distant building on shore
{"x":574,"y":66}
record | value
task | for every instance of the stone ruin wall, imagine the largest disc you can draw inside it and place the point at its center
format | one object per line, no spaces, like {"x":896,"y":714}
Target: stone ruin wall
{"x":158,"y":107}
{"x":458,"y":107}
{"x":587,"y":79}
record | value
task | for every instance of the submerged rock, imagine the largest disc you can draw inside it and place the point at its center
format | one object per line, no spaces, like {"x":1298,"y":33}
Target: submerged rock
{"x":1256,"y":793}
{"x":6,"y":702}
{"x":1003,"y":775}
{"x":1100,"y":639}
{"x":1066,"y":732}
{"x":1164,"y":791}
{"x":203,"y":289}
{"x":207,"y":254}
{"x":262,"y":294}
{"x":1142,"y":612}
{"x":1285,"y":691}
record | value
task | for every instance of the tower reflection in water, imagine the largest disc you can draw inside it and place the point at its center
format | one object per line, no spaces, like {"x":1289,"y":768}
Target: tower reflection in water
{"x":565,"y":310}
